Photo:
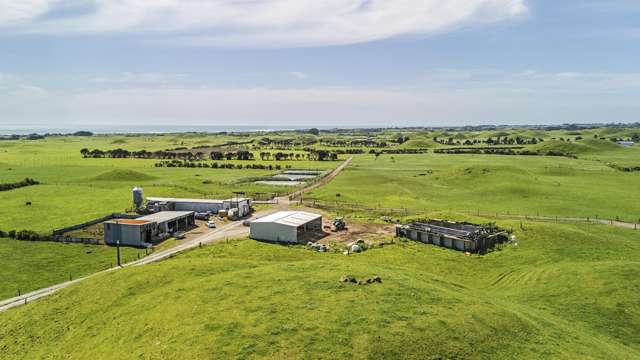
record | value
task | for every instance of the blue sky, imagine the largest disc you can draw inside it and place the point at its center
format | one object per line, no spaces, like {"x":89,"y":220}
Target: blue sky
{"x":69,"y":63}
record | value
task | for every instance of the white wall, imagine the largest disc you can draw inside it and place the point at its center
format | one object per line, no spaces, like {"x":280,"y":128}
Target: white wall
{"x":198,"y":207}
{"x":273,"y":232}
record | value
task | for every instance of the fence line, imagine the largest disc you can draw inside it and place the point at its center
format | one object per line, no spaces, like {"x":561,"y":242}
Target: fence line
{"x":407,"y":212}
{"x":93,"y":222}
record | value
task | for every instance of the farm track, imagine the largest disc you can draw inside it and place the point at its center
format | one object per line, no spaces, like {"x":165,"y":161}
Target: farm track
{"x":230,"y":231}
{"x":332,"y":175}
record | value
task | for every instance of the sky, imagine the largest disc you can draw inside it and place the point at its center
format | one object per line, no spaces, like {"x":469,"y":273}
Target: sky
{"x":298,"y":63}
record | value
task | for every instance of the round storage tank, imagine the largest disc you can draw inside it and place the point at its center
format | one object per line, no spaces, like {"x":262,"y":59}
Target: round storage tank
{"x":138,"y":199}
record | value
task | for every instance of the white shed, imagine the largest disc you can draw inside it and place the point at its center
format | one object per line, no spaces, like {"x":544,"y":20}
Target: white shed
{"x":286,"y":226}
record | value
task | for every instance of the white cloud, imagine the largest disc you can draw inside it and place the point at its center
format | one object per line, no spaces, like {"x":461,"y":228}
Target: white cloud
{"x":298,"y":75}
{"x":14,"y":12}
{"x":7,"y":78}
{"x":263,"y":23}
{"x":446,"y":97}
{"x":138,"y":78}
{"x":511,"y":98}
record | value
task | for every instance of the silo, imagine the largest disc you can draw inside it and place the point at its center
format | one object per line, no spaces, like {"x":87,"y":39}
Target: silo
{"x":138,"y":199}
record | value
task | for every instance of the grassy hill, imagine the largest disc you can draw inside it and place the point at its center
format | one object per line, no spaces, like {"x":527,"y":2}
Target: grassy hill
{"x":589,"y":146}
{"x":527,"y":185}
{"x":29,"y":265}
{"x":566,"y":291}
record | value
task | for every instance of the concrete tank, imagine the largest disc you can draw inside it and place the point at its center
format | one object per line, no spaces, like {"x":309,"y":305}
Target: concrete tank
{"x":138,"y":198}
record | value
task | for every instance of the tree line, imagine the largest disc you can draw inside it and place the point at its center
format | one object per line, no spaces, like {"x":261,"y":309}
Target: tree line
{"x":398,"y":151}
{"x":215,"y":165}
{"x":499,"y":140}
{"x":24,"y":235}
{"x":503,"y":151}
{"x":312,"y":154}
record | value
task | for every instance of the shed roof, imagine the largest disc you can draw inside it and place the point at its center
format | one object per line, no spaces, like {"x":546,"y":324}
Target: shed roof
{"x":201,"y":201}
{"x":289,"y":218}
{"x":129,"y":221}
{"x":164,"y":216}
{"x":198,"y":201}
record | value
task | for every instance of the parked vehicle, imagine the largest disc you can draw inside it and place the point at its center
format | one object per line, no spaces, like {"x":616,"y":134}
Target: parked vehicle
{"x":179,"y":235}
{"x":202,"y":216}
{"x":211,"y":224}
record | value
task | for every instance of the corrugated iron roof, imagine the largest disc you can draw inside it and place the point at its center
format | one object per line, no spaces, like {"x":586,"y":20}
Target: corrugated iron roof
{"x":289,"y":218}
{"x":164,"y":216}
{"x":202,"y":201}
{"x":129,"y":221}
{"x":199,"y":201}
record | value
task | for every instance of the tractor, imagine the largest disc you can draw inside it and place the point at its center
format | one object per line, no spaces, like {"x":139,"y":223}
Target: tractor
{"x":338,"y":224}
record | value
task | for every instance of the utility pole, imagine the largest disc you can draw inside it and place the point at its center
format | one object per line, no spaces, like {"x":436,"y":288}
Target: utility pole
{"x":118,"y":251}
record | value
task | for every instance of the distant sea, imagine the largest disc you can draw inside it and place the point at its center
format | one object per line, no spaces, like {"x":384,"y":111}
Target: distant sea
{"x":23,"y":130}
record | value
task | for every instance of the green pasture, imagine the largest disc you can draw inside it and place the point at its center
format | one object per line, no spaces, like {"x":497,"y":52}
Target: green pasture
{"x":32,"y":265}
{"x":564,"y":292}
{"x":526,"y":185}
{"x":74,"y":189}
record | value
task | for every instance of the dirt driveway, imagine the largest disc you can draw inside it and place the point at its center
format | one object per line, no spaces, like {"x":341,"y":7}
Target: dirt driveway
{"x":371,"y":233}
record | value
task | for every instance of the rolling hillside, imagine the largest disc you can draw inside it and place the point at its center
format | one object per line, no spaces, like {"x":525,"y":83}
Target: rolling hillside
{"x":566,"y":291}
{"x":527,"y":185}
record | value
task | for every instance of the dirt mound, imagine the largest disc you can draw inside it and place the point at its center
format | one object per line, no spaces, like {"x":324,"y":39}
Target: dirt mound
{"x":123,"y":175}
{"x":119,"y":141}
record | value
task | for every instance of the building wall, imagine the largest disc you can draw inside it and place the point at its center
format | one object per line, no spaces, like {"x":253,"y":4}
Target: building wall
{"x":313,"y":225}
{"x":273,"y":232}
{"x":128,"y":234}
{"x":440,"y":240}
{"x":243,"y":206}
{"x":198,"y":207}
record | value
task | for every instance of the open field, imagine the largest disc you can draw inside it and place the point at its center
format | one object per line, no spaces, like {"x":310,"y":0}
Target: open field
{"x":566,"y":290}
{"x":74,"y":189}
{"x":527,"y":185}
{"x":560,"y":294}
{"x":29,"y":265}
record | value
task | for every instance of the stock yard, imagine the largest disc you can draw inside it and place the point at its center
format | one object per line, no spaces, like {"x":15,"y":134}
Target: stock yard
{"x":562,"y":290}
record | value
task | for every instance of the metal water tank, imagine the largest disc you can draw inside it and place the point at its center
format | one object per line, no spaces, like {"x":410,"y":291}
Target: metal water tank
{"x":138,"y":199}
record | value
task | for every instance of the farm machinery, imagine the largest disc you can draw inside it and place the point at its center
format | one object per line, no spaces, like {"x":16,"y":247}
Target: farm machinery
{"x":338,"y":224}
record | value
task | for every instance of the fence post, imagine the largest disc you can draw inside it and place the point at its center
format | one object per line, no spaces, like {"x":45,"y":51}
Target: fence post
{"x":18,"y":292}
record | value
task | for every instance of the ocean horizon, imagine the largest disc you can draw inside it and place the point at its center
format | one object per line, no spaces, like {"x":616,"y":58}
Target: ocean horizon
{"x":25,"y":130}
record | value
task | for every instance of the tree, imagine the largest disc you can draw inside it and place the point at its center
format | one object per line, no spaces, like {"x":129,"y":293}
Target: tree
{"x":83,"y":133}
{"x":85,"y":152}
{"x":216,"y":155}
{"x":314,"y":131}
